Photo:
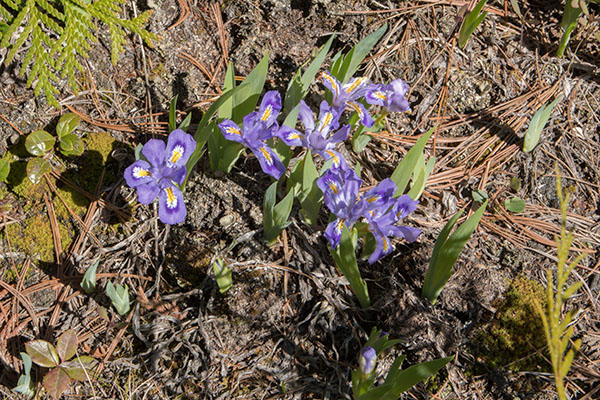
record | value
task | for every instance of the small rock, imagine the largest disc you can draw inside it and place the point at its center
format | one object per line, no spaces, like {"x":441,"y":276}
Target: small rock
{"x":226,"y":220}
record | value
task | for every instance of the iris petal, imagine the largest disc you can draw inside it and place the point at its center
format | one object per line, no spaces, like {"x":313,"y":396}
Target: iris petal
{"x":138,"y":174}
{"x":147,"y":192}
{"x":180,"y":147}
{"x":171,"y":208}
{"x":154,"y":151}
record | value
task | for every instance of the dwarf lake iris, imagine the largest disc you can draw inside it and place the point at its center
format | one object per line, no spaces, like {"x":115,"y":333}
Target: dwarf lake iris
{"x":257,"y":128}
{"x":161,"y":174}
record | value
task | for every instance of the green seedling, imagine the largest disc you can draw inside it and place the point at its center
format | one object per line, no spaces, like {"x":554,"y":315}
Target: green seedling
{"x":88,"y":283}
{"x":446,"y":251}
{"x":539,"y":120}
{"x":223,"y":275}
{"x":471,"y":22}
{"x":397,"y":381}
{"x":25,"y":385}
{"x":41,"y":145}
{"x":559,"y":330}
{"x":515,"y":205}
{"x":64,"y":368}
{"x":119,"y":296}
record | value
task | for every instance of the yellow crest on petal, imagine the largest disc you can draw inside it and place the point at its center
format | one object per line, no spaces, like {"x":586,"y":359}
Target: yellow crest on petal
{"x":171,"y":199}
{"x":267,"y":155}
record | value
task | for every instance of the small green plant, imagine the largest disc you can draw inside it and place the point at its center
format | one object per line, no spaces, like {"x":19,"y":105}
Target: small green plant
{"x":559,"y":330}
{"x":573,"y":10}
{"x":515,"y":205}
{"x":60,"y":32}
{"x":119,"y":296}
{"x":446,"y":251}
{"x":470,"y":23}
{"x":532,"y":137}
{"x":88,"y":283}
{"x":397,"y":381}
{"x":223,"y":275}
{"x":40,"y":144}
{"x":64,"y":368}
{"x":25,"y":385}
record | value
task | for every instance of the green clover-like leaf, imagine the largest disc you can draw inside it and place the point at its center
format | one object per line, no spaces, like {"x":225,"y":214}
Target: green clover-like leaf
{"x":42,"y":353}
{"x":39,"y":143}
{"x":80,"y":368}
{"x":56,"y":381}
{"x":36,"y":168}
{"x":67,"y":124}
{"x":71,"y":145}
{"x":66,"y":346}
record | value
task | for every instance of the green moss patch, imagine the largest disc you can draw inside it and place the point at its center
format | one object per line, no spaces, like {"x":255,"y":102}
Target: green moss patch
{"x":34,"y":237}
{"x":516,"y":333}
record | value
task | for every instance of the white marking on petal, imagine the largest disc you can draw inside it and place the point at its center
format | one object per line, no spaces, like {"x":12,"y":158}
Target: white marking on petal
{"x":232,"y":130}
{"x":356,"y":83}
{"x":139,"y":172}
{"x":333,"y":186}
{"x":331,"y":80}
{"x":171,"y":199}
{"x":176,"y":154}
{"x":336,"y":159}
{"x":267,"y":113}
{"x":267,"y":155}
{"x":339,"y":226}
{"x":380,"y":95}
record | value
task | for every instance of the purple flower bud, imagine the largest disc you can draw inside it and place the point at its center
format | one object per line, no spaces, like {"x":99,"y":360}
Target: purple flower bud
{"x":367,"y":360}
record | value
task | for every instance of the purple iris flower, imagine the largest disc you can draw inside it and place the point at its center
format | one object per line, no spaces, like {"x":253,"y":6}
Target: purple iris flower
{"x":368,"y":356}
{"x":391,"y":96}
{"x":160,"y":175}
{"x":382,"y":220}
{"x":257,"y":128}
{"x":317,"y":137}
{"x":340,"y":191}
{"x":347,"y":95}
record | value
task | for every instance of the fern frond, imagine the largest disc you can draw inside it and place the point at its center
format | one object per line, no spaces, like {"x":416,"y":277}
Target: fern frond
{"x":60,"y":33}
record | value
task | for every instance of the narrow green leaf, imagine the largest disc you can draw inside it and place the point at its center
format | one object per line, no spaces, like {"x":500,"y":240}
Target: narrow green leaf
{"x":66,"y":345}
{"x":226,"y":110}
{"x":404,"y":170}
{"x":479,"y":195}
{"x":173,"y":113}
{"x":344,"y":257}
{"x":471,"y":22}
{"x":36,"y":168}
{"x":536,"y":126}
{"x":223,"y":275}
{"x":446,"y":252}
{"x":42,"y":353}
{"x":88,"y":283}
{"x":310,"y":195}
{"x":516,"y":8}
{"x":39,"y":143}
{"x":56,"y":381}
{"x":515,"y":205}
{"x":358,"y":53}
{"x":67,"y":124}
{"x":300,"y":83}
{"x":275,"y":216}
{"x":415,"y":374}
{"x":568,"y":23}
{"x":420,"y":176}
{"x":119,"y":296}
{"x":248,"y":92}
{"x":185,"y":124}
